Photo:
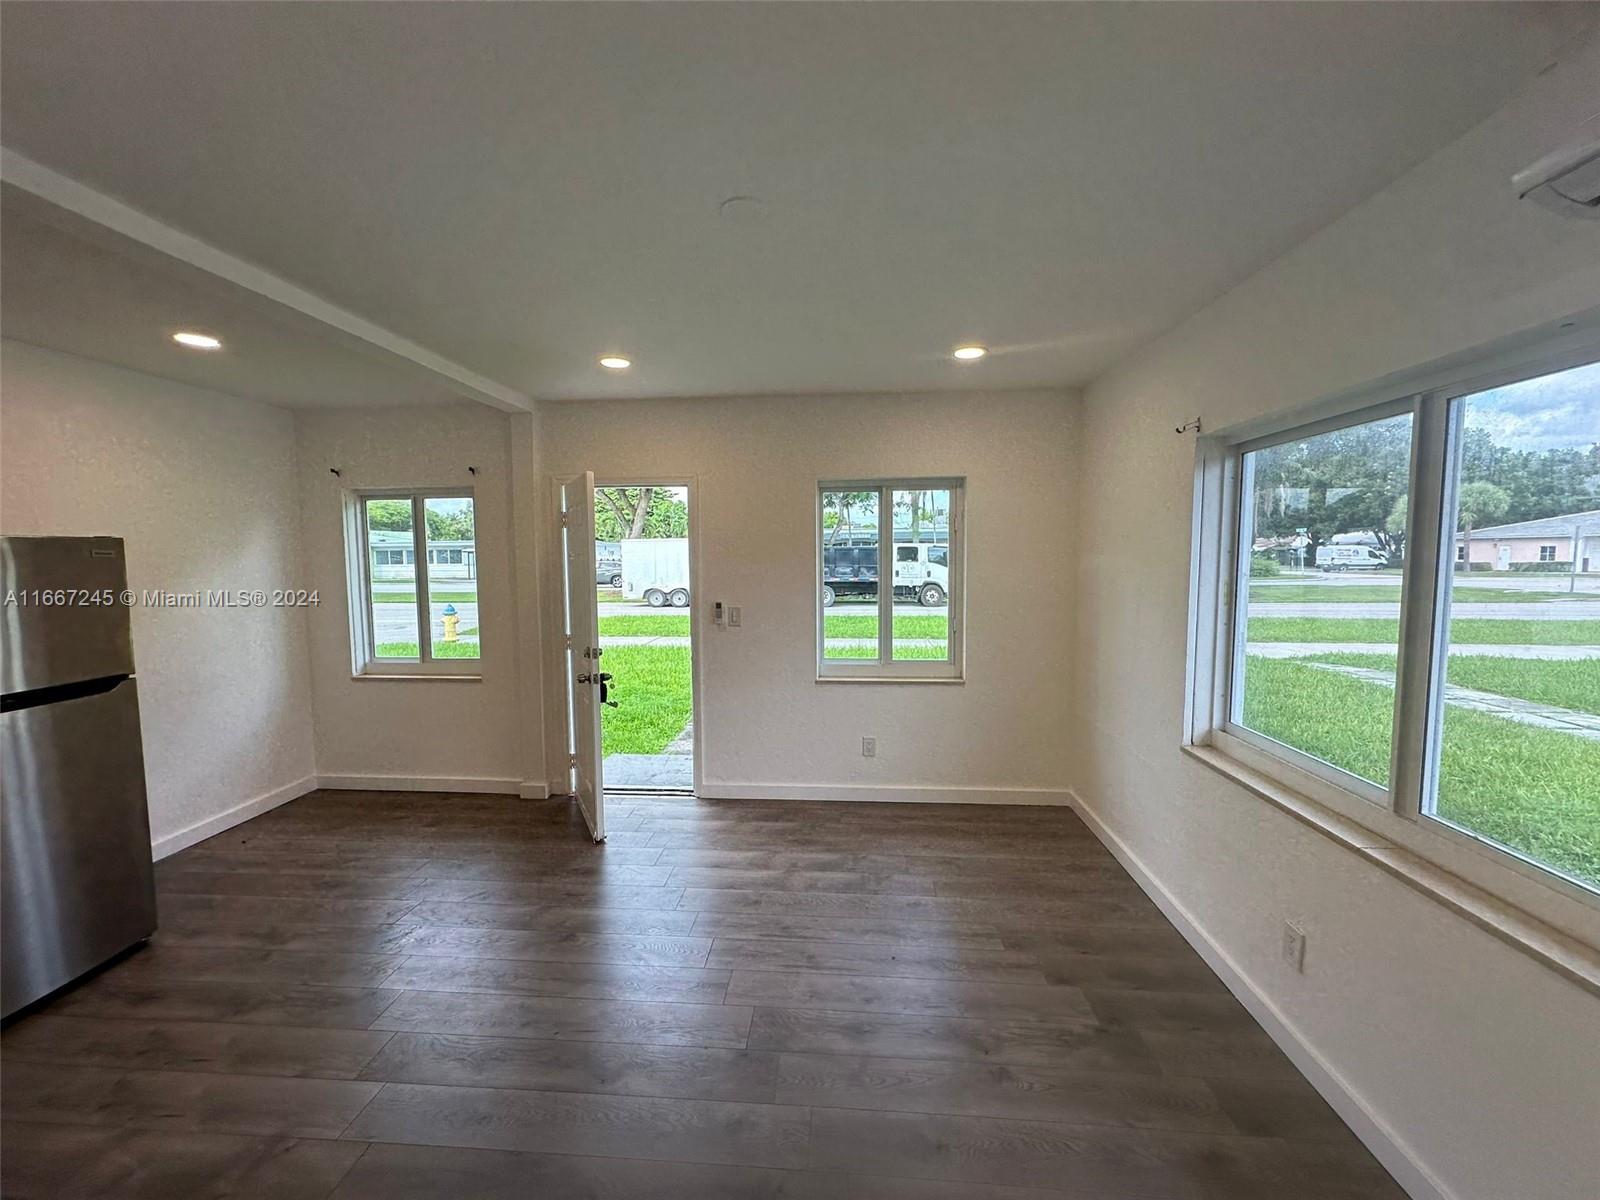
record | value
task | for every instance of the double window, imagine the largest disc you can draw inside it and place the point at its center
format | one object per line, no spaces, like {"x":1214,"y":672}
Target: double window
{"x":414,"y":586}
{"x":889,"y":579}
{"x":1350,"y":626}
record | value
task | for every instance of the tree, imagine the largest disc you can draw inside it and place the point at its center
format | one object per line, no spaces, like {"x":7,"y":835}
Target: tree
{"x":449,"y":526}
{"x":394,"y":515}
{"x":1344,"y":481}
{"x":639,"y":512}
{"x":443,"y":526}
{"x":838,"y":512}
{"x":1479,"y":503}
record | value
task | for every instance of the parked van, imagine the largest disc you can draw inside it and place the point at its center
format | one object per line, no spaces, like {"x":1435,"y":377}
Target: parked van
{"x":921,"y":572}
{"x":1350,"y":558}
{"x":608,"y":564}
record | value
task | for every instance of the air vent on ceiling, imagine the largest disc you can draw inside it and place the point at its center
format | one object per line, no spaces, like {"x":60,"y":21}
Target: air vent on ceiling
{"x":1566,"y":181}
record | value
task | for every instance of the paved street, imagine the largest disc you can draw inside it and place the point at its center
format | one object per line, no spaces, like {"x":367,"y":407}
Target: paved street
{"x":1510,"y":581}
{"x":613,"y":609}
{"x":398,"y":622}
{"x":1531,"y":610}
{"x":833,"y":643}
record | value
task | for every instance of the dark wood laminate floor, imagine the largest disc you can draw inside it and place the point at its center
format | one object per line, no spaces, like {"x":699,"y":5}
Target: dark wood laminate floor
{"x":382,"y":996}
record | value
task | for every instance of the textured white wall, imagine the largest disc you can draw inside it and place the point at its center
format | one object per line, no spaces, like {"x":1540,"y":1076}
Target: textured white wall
{"x":410,"y":732}
{"x":1485,"y":1066}
{"x":201,"y":488}
{"x":765,"y":720}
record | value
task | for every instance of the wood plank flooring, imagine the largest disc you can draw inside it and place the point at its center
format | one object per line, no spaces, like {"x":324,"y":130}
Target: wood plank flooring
{"x":382,"y":996}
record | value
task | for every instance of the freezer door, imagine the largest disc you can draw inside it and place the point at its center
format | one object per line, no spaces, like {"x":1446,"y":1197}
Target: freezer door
{"x":74,"y":840}
{"x":55,"y":626}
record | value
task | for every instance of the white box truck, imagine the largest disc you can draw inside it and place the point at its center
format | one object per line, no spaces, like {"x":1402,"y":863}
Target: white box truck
{"x":656,"y":570}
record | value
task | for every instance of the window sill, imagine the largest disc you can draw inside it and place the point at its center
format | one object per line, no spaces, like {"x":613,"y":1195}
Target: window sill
{"x":386,"y":676}
{"x":946,"y":679}
{"x":1567,"y":956}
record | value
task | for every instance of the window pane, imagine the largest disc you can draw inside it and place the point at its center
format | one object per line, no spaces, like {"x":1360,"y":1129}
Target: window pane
{"x":452,"y":577}
{"x":394,"y":580}
{"x":850,"y":574}
{"x":922,"y":574}
{"x":1324,"y":520}
{"x":1518,"y":760}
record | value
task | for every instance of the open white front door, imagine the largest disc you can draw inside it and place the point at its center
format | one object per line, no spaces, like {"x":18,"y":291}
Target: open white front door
{"x":582,"y":627}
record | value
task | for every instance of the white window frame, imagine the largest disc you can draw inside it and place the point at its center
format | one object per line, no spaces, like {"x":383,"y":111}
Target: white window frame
{"x":885,"y":669}
{"x":1219,"y":566}
{"x":364,"y":661}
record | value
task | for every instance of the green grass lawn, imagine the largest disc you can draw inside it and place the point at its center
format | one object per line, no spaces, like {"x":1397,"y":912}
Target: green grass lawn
{"x":1574,"y":685}
{"x":902,"y":653}
{"x":652,"y":686}
{"x":436,"y":597}
{"x":1379,"y":593}
{"x":1467,"y":631}
{"x":440,"y":649}
{"x":1534,"y":790}
{"x":676,"y":625}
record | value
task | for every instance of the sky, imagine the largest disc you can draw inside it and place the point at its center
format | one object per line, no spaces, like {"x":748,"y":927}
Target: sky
{"x":1552,"y":411}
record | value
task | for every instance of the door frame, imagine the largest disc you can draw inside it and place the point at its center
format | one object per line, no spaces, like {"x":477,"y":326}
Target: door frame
{"x":697,"y":630}
{"x":699,"y":625}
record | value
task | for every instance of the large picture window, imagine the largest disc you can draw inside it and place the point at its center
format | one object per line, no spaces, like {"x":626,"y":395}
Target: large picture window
{"x":414,"y":582}
{"x":1402,"y":602}
{"x":889,"y":579}
{"x":1515,"y":739}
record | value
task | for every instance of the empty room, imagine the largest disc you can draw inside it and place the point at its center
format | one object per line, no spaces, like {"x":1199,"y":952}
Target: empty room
{"x":838,"y":601}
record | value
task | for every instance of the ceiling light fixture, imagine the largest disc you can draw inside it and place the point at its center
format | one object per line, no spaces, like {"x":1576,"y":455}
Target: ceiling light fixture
{"x":968,"y":353}
{"x":197,"y":341}
{"x":615,"y":362}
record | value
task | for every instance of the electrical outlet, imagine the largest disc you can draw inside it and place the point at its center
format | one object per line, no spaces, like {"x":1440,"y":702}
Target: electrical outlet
{"x":869,"y":747}
{"x":736,"y":616}
{"x":1294,"y":946}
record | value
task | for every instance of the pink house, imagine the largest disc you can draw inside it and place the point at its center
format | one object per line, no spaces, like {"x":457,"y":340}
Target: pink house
{"x":1549,"y":540}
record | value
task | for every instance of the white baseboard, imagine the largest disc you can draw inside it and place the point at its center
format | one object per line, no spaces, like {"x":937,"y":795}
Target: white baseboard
{"x":198,"y":832}
{"x":532,"y":789}
{"x":420,"y":783}
{"x":884,"y":792}
{"x":1375,"y":1133}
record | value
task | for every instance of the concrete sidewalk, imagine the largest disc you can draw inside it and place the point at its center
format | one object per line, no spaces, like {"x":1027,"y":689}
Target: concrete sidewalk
{"x":1523,"y":712}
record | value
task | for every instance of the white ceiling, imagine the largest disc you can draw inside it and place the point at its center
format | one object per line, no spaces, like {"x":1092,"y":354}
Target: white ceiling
{"x":64,"y":291}
{"x":521,"y":187}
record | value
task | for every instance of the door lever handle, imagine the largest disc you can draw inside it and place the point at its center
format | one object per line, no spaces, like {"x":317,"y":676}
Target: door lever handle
{"x":603,"y":679}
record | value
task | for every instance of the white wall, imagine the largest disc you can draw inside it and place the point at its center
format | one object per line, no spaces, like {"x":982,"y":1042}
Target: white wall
{"x":1485,"y":1066}
{"x":200,"y":486}
{"x":768,"y":728}
{"x":424,"y":733}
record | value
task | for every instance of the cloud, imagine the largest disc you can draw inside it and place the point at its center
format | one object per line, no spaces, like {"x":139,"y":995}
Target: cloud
{"x":1550,"y":412}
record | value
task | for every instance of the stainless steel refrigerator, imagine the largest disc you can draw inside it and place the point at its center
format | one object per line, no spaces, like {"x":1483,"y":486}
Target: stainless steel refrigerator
{"x":77,"y":886}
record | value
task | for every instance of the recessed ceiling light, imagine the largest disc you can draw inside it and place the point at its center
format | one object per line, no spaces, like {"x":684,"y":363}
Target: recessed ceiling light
{"x":197,"y":341}
{"x":615,"y":362}
{"x":968,"y":353}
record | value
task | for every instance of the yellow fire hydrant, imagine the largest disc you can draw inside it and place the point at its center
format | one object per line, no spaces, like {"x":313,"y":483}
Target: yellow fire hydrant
{"x":451,"y":620}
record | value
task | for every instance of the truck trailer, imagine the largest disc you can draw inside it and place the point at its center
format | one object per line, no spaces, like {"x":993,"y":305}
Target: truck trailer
{"x":656,"y":570}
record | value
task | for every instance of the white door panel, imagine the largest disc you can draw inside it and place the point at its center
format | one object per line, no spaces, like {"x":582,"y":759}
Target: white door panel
{"x":582,"y":630}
